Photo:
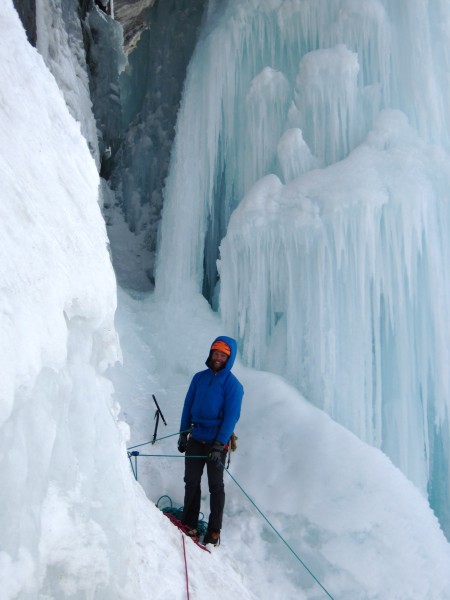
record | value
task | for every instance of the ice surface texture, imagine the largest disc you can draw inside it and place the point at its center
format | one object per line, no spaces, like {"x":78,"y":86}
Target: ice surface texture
{"x":333,"y":277}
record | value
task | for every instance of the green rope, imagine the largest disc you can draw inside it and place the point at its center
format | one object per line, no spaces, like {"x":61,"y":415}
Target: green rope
{"x":279,"y":534}
{"x":132,"y":468}
{"x":202,"y":525}
{"x":161,"y":497}
{"x":158,"y":439}
{"x":173,"y":455}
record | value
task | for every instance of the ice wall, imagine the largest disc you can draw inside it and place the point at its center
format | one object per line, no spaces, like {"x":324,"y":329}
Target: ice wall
{"x":150,"y":92}
{"x":60,"y":42}
{"x":330,"y":118}
{"x":106,"y":61}
{"x":61,"y":507}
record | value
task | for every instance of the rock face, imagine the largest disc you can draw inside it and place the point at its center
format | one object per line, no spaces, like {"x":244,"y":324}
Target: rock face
{"x":150,"y":92}
{"x":131,"y":14}
{"x":27,"y":14}
{"x":134,"y":54}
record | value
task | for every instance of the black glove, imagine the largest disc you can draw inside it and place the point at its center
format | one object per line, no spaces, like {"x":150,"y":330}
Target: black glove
{"x":182,"y":442}
{"x":216,"y":453}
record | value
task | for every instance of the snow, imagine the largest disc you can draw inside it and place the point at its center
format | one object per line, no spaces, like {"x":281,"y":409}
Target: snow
{"x":75,"y":524}
{"x":352,"y":517}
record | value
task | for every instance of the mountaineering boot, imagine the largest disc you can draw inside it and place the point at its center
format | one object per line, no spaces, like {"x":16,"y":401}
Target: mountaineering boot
{"x":212,"y":537}
{"x":192,"y":533}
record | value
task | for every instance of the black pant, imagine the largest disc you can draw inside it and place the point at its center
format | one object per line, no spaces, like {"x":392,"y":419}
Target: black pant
{"x":192,"y":478}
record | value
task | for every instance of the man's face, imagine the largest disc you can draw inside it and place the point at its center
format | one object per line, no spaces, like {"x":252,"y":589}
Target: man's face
{"x":218,"y":360}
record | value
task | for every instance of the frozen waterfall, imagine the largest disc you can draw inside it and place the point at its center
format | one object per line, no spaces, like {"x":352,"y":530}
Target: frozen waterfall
{"x":312,"y":148}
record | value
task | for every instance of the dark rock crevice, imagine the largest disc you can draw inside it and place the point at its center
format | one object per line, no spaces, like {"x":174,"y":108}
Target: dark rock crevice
{"x":27,"y":14}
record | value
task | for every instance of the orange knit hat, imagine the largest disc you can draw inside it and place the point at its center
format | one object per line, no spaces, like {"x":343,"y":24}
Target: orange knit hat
{"x":221,"y":346}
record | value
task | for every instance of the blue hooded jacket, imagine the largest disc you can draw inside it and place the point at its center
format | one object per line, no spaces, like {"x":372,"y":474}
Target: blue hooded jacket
{"x":213,"y":402}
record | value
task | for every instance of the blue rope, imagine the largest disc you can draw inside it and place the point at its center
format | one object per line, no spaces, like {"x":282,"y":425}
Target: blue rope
{"x":173,"y":455}
{"x":279,"y":534}
{"x":132,"y":468}
{"x":158,"y":439}
{"x":257,"y":508}
{"x":168,"y":498}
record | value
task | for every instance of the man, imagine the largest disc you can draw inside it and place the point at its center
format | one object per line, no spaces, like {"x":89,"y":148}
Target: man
{"x":212,"y":408}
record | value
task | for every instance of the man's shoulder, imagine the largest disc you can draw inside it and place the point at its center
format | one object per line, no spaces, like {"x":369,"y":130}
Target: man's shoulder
{"x":200,"y":374}
{"x":233,"y":377}
{"x":232,"y":380}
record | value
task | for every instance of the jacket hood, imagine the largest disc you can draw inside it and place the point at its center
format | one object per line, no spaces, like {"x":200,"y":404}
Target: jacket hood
{"x":233,"y":348}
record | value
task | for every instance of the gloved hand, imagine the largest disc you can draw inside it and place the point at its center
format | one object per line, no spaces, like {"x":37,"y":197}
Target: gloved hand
{"x":216,"y":453}
{"x":182,"y":442}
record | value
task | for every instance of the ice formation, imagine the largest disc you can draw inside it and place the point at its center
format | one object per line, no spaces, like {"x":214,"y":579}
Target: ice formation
{"x":330,"y":275}
{"x":325,"y":130}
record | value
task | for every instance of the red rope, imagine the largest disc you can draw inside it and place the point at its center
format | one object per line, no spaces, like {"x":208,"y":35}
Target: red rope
{"x":185,"y":567}
{"x":183,"y":528}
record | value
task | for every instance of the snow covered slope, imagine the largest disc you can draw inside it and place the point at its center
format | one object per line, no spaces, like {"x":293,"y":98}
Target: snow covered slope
{"x":358,"y":524}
